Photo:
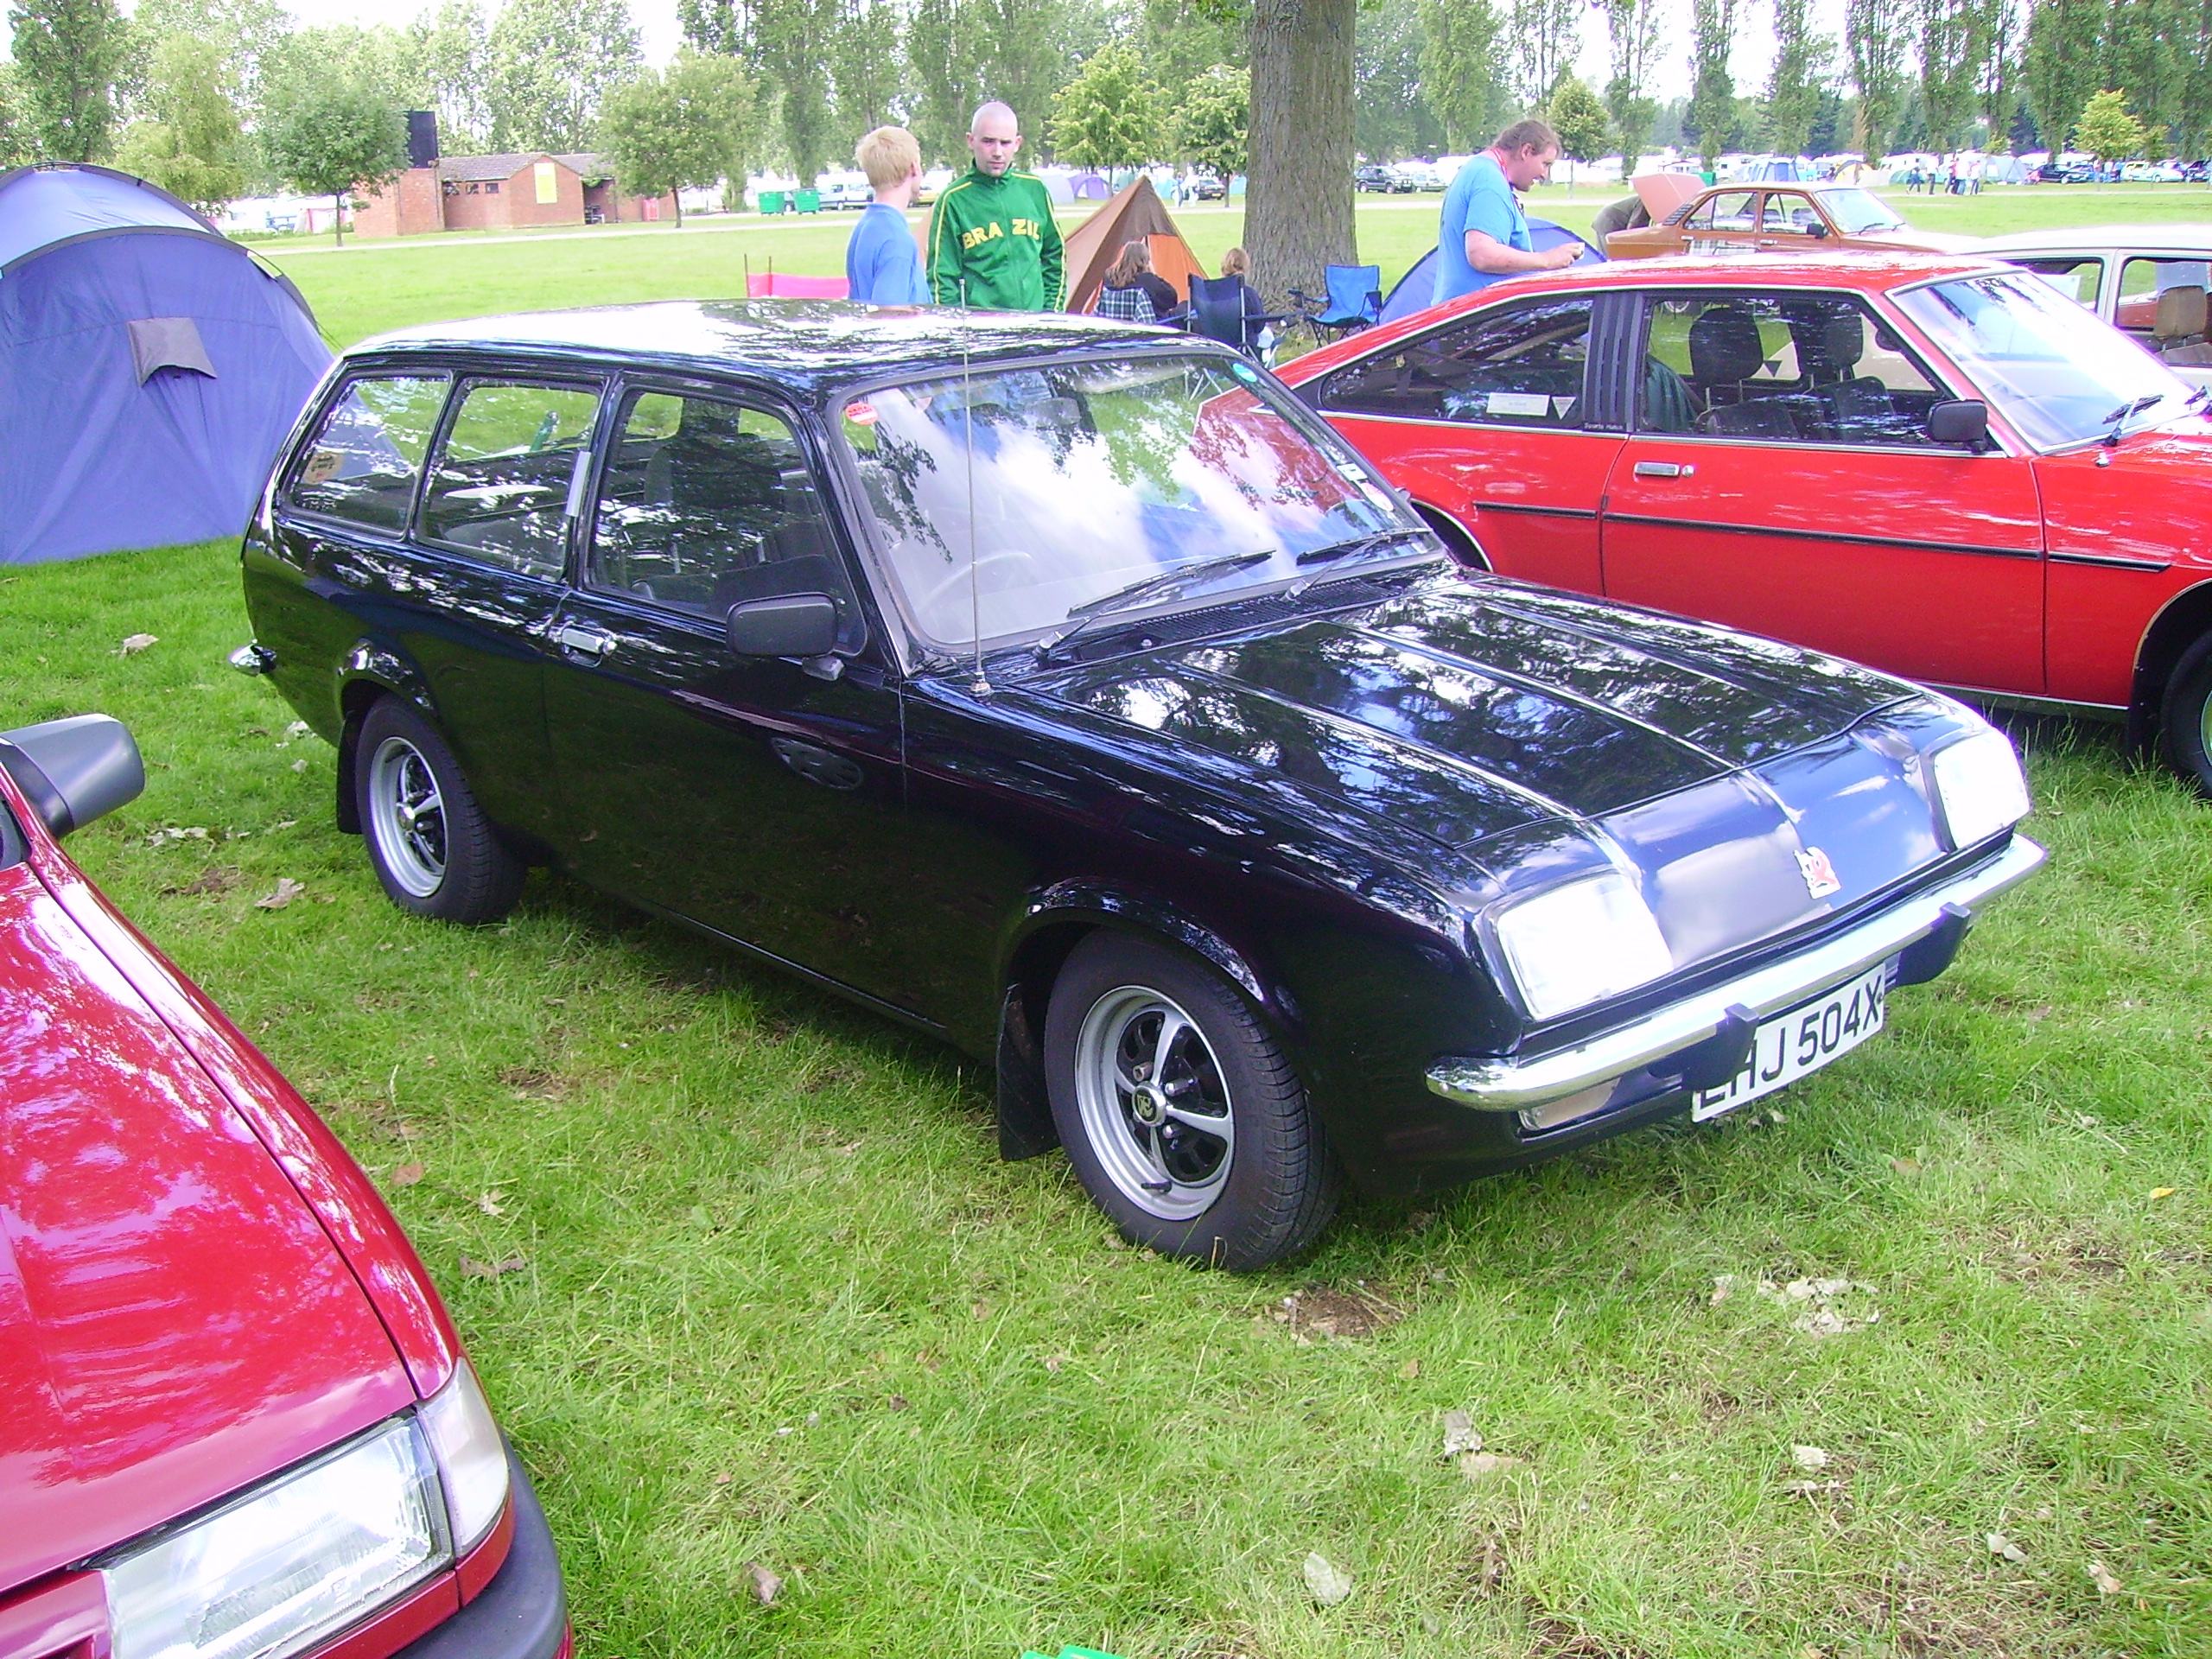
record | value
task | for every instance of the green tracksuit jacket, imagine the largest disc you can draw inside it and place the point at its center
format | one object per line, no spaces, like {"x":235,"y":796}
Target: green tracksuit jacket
{"x":998,"y":235}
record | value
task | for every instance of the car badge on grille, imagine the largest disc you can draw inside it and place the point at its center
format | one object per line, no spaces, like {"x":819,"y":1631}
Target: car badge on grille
{"x":1821,"y":879}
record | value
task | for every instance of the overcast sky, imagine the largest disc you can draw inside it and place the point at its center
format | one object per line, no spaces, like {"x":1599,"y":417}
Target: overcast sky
{"x":1754,"y":51}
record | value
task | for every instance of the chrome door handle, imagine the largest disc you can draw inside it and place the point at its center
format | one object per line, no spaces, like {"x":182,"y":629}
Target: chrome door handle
{"x":585,"y":642}
{"x":1666,"y":469}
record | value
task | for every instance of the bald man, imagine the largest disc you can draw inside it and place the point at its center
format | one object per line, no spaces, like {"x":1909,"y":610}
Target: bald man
{"x":993,"y":243}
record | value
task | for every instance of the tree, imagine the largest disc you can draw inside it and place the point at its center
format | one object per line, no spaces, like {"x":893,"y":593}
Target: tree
{"x":1874,"y":40}
{"x":189,"y":143}
{"x":866,"y":63}
{"x":1298,"y":215}
{"x":14,"y":122}
{"x":1580,"y":119}
{"x":1544,"y":35}
{"x":245,"y":35}
{"x":1713,"y":91}
{"x":2144,"y":39}
{"x":68,"y":53}
{"x":1953,"y":42}
{"x":1394,"y":116}
{"x":1109,"y":114}
{"x":2064,"y":38}
{"x":335,"y":138}
{"x":1632,"y":36}
{"x":2107,"y":130}
{"x":1180,"y":41}
{"x":550,"y":63}
{"x":687,"y":128}
{"x":452,"y":50}
{"x":1793,"y":93}
{"x":1463,"y":69}
{"x":1212,"y":120}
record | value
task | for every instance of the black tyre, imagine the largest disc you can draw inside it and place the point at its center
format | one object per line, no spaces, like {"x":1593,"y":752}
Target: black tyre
{"x":433,"y":848}
{"x":1182,"y":1114}
{"x":2185,"y":718}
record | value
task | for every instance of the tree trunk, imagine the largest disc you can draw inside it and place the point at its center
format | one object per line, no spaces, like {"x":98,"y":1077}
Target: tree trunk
{"x":1298,"y":194}
{"x":337,"y":219}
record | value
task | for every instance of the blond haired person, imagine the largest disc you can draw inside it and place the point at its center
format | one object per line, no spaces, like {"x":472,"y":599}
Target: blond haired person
{"x":883,"y":266}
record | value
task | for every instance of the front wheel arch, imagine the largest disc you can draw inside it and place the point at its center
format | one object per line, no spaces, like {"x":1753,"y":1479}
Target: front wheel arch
{"x":1455,"y":536}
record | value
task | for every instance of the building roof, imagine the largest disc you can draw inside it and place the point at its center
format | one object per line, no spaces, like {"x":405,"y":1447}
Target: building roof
{"x":505,"y":165}
{"x":803,"y":345}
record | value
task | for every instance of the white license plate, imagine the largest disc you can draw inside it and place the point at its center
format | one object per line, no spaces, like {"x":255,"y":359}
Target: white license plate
{"x":1804,"y":1039}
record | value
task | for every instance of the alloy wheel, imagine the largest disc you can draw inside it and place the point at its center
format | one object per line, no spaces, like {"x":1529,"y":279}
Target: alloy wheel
{"x":1154,"y":1106}
{"x":406,"y":817}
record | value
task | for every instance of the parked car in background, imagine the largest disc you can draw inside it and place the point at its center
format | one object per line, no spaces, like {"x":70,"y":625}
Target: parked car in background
{"x":1418,"y":175}
{"x":1069,"y":691}
{"x":238,"y":1422}
{"x":2149,"y":281}
{"x":2151,"y":173}
{"x":1942,"y":468}
{"x":1206,"y":188}
{"x":1375,"y":175}
{"x":1740,"y":218}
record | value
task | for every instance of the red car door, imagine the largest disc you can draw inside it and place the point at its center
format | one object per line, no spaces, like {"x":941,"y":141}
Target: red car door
{"x":1486,"y":420}
{"x":1781,"y":481}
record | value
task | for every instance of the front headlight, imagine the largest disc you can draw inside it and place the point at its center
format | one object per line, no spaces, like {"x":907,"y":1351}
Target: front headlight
{"x":295,"y":1562}
{"x":1581,"y":942}
{"x":1979,"y":786}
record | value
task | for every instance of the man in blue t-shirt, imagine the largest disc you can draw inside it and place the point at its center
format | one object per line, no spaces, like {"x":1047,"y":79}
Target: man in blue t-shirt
{"x":1483,"y":238}
{"x":883,"y":262}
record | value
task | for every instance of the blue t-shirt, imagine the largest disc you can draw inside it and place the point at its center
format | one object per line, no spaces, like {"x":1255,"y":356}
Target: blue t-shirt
{"x":1479,"y":200}
{"x":882,"y":263}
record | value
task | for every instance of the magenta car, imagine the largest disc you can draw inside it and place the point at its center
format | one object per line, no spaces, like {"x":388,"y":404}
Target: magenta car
{"x":235,"y":1421}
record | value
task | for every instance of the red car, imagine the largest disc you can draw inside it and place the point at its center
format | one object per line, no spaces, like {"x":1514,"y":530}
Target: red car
{"x":1939,"y":467}
{"x":237,"y":1422}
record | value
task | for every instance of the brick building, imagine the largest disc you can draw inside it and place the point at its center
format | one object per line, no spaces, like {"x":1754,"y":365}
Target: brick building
{"x":502,"y":193}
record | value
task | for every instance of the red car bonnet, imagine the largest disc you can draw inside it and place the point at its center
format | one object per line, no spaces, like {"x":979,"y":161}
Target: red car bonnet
{"x":192,"y":1272}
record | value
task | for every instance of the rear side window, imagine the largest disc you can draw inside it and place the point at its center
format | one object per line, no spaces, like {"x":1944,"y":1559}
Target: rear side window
{"x":706,"y":504}
{"x":500,"y":490}
{"x":363,"y":462}
{"x":1522,"y":368}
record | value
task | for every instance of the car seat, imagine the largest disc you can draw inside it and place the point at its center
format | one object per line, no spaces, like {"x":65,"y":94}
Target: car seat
{"x":1726,"y":351}
{"x":2178,"y":333}
{"x":1855,"y":408}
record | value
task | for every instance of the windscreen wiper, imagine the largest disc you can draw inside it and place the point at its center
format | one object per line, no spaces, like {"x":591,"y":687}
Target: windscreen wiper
{"x":2113,"y":421}
{"x":1165,"y":584}
{"x":1344,"y":550}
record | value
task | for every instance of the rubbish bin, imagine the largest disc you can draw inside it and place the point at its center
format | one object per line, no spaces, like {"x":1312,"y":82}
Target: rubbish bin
{"x":772,"y":201}
{"x":810,"y":201}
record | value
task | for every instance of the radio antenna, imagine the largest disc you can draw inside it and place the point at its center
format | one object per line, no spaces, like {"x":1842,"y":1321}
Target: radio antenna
{"x":980,"y":685}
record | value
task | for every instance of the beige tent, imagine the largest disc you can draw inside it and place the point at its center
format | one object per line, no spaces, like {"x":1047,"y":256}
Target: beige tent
{"x":1094,"y":245}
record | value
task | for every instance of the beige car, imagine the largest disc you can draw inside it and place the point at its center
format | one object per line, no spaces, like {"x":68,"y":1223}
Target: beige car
{"x":2148,"y":281}
{"x":1738,"y":218}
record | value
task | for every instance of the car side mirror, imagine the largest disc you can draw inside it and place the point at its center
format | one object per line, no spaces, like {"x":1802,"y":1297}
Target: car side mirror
{"x":794,"y":625}
{"x":75,"y":769}
{"x":1816,"y":229}
{"x":1961,"y":423}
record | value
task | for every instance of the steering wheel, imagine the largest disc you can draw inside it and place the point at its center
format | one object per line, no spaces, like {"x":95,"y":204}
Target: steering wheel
{"x":959,"y":577}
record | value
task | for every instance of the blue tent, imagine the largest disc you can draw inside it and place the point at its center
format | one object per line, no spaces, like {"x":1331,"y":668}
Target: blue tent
{"x":1416,"y":289}
{"x":149,"y":368}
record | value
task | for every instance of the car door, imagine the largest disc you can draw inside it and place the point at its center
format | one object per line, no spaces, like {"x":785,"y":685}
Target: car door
{"x":1491,"y":420}
{"x":1780,"y":480}
{"x":463,"y":598}
{"x":1791,"y":222}
{"x":757,"y":797}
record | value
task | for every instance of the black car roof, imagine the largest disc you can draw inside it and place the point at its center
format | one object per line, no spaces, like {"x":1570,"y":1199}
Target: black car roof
{"x":801,"y":344}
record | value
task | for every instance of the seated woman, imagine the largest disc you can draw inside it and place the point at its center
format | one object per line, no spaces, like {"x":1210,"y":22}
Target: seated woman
{"x":1134,"y":292}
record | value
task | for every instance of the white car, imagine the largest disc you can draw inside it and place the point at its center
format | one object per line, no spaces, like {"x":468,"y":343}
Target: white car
{"x":2150,"y":173}
{"x":2148,"y":281}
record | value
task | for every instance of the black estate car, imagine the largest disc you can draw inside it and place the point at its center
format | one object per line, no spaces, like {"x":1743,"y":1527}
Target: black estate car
{"x":1070,"y":691}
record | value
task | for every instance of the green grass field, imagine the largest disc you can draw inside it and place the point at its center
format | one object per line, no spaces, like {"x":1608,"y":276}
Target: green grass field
{"x":749,"y":1286}
{"x":365,"y":287}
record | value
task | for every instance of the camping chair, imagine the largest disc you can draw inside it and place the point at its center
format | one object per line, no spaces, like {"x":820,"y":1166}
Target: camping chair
{"x":1216,"y":311}
{"x":1355,"y":300}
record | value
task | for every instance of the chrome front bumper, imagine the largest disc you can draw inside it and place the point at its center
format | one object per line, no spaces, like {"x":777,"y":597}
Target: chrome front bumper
{"x":1511,"y":1085}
